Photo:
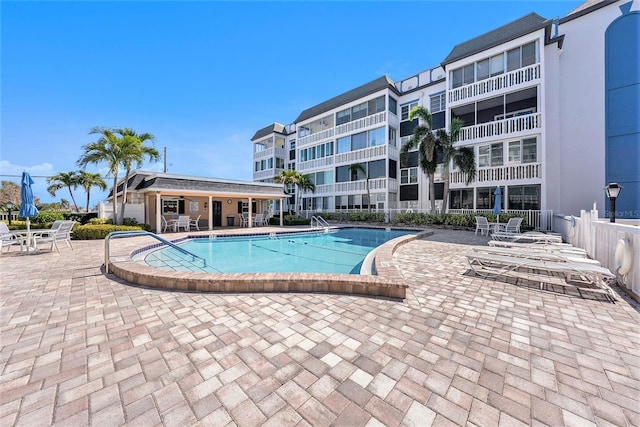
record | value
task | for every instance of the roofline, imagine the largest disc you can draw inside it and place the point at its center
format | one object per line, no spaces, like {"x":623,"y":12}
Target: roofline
{"x":592,"y":8}
{"x":152,"y":174}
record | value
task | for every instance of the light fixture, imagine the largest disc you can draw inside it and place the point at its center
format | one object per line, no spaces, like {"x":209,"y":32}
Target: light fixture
{"x":612,"y":190}
{"x":9,"y":206}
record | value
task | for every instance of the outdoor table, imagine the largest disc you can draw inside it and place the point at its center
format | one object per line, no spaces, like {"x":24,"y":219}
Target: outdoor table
{"x":27,"y":239}
{"x":498,"y":226}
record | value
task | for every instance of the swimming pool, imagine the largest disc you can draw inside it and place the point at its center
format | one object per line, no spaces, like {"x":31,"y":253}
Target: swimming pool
{"x":339,"y":251}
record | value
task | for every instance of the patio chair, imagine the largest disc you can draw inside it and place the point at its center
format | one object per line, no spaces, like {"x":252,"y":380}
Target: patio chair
{"x":183,"y":222}
{"x":482,"y":224}
{"x":61,"y":234}
{"x":513,"y":225}
{"x":244,"y":219}
{"x":6,"y":238}
{"x":257,"y":220}
{"x":577,"y":275}
{"x":195,"y":223}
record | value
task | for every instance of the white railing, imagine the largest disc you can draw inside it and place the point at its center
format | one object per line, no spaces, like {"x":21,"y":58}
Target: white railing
{"x":269,"y":152}
{"x":324,"y":189}
{"x":509,"y":80}
{"x":361,"y":185}
{"x":310,"y":139}
{"x":319,"y":221}
{"x":537,"y":219}
{"x":505,"y":127}
{"x":362,"y":123}
{"x":313,"y":164}
{"x":500,"y":173}
{"x":360,"y":155}
{"x":267,"y":173}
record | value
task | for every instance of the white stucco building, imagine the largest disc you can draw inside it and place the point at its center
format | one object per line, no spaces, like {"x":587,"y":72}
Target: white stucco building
{"x":551,"y":109}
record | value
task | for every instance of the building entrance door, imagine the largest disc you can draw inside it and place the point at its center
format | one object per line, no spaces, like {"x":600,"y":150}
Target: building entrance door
{"x":217,"y":213}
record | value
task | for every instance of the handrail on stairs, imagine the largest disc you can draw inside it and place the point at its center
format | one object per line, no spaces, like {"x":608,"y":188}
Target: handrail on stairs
{"x":320,"y":222}
{"x":121,"y":234}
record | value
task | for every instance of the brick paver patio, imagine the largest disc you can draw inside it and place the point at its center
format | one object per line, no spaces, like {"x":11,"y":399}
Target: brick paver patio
{"x":81,"y":348}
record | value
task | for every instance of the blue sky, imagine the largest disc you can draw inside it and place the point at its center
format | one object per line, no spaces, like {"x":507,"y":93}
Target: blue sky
{"x":204,"y":76}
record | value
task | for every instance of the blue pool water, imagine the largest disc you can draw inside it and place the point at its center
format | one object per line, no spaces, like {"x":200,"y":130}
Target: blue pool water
{"x":341,"y":251}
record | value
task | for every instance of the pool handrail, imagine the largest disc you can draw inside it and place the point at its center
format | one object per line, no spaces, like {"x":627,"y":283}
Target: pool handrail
{"x":119,"y":234}
{"x":320,"y":222}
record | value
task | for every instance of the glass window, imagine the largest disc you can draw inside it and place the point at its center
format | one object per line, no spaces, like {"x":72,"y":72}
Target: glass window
{"x":359,"y":141}
{"x":392,"y":136}
{"x":329,"y":148}
{"x":328,"y":177}
{"x":376,"y":105}
{"x":438,"y":103}
{"x":405,"y":109}
{"x":514,"y":152}
{"x":528,"y":54}
{"x":344,"y":144}
{"x":343,"y":174}
{"x":409,"y":176}
{"x":468,"y":74}
{"x":376,"y":137}
{"x":482,"y":69}
{"x":377,"y":169}
{"x":343,"y":117}
{"x":393,"y":166}
{"x":483,"y":156}
{"x":513,"y":59}
{"x":496,"y":155}
{"x":359,"y":111}
{"x":497,"y":65}
{"x":529,"y":151}
{"x":456,"y":78}
{"x":393,"y":105}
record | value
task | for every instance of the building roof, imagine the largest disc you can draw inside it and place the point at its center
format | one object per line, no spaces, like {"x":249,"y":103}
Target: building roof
{"x":146,"y":181}
{"x":374,"y":86}
{"x":525,"y":25}
{"x":272,"y":128}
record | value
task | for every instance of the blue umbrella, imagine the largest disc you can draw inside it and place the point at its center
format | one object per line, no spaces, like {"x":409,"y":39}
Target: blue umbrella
{"x":497,"y":205}
{"x":27,"y":206}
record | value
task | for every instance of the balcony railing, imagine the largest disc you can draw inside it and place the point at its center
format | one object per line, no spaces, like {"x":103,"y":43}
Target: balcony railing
{"x":310,"y":139}
{"x":389,"y":184}
{"x":313,"y":164}
{"x":372,"y":120}
{"x":507,"y":127}
{"x":505,"y":81}
{"x":269,"y":152}
{"x":267,"y":173}
{"x":361,"y":155}
{"x":501,"y":173}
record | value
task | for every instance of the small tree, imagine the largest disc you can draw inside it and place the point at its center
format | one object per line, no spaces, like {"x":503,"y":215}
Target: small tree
{"x":288,"y":177}
{"x":9,"y":193}
{"x":357,"y":168}
{"x":304,"y":184}
{"x":62,"y":180}
{"x":462,"y":157}
{"x":88,"y":180}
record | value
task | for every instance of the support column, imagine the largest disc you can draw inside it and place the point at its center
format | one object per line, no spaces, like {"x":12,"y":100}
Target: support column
{"x":158,"y":213}
{"x":210,"y":213}
{"x":281,"y":210}
{"x":250,"y":213}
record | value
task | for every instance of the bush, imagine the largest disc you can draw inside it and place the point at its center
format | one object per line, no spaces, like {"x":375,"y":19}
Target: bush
{"x":452,"y":220}
{"x":289,"y":220}
{"x":100,"y":231}
{"x":82,"y":218}
{"x":47,"y":216}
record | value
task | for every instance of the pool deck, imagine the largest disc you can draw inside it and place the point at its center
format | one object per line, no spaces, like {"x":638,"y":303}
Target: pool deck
{"x":78,"y":347}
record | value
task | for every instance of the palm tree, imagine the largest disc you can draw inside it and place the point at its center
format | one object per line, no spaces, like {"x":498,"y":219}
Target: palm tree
{"x":88,"y":180}
{"x":62,"y":180}
{"x":359,"y":167}
{"x":133,"y":152}
{"x":462,"y":157}
{"x":288,"y":177}
{"x":304,"y":184}
{"x":425,"y":141}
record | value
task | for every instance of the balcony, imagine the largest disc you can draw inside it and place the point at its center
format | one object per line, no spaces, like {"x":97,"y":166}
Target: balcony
{"x":314,"y":164}
{"x":361,"y":155}
{"x":363,"y":123}
{"x":389,"y":184}
{"x":269,"y":152}
{"x":511,"y":127}
{"x":265,"y":174}
{"x":526,"y":171}
{"x":509,"y":81}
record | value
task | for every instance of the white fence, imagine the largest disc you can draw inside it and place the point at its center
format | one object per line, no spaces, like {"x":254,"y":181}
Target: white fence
{"x":599,"y":238}
{"x":132,"y":210}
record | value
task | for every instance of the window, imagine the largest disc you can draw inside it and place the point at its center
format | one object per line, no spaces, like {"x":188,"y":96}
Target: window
{"x":524,"y":151}
{"x":514,"y":152}
{"x":409,"y":176}
{"x":344,"y":144}
{"x":405,"y":109}
{"x":359,"y":141}
{"x":496,"y":155}
{"x":359,"y":111}
{"x":343,"y":116}
{"x":376,"y":105}
{"x":169,"y":206}
{"x":393,"y":169}
{"x":483,"y":156}
{"x":490,"y":155}
{"x":279,"y":163}
{"x":438,"y":103}
{"x":376,"y":137}
{"x":393,"y":105}
{"x":461,"y":199}
{"x":521,"y":56}
{"x":485,"y":197}
{"x":392,"y":136}
{"x":462,"y":76}
{"x":377,"y":169}
{"x":524,"y":197}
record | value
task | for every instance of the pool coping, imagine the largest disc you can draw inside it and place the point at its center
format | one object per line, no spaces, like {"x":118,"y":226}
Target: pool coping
{"x":385,"y":280}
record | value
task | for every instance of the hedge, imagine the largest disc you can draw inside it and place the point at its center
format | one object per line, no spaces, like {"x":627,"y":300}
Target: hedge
{"x":450,"y":219}
{"x":289,"y":220}
{"x":100,"y":231}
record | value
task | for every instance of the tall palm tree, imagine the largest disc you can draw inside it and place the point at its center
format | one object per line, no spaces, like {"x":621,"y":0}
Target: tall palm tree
{"x":133,"y":153}
{"x":427,"y":144}
{"x":359,"y":167}
{"x":288,"y":177}
{"x":107,"y":149}
{"x":304,"y":184}
{"x":462,"y":157}
{"x":64,"y":180}
{"x":88,"y":180}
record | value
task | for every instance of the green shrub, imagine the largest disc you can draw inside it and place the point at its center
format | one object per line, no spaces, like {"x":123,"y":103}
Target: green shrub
{"x":97,"y":221}
{"x":289,"y":220}
{"x":47,"y":216}
{"x":100,"y":231}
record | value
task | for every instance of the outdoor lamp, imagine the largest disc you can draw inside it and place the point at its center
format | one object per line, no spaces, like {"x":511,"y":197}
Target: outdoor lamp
{"x":612,"y":190}
{"x":9,"y":206}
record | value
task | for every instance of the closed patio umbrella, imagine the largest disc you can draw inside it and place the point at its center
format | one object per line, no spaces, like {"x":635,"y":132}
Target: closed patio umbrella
{"x":497,"y":205}
{"x":27,"y":205}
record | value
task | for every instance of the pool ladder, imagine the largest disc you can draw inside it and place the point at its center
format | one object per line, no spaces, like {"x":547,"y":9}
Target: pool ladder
{"x":320,"y":222}
{"x":121,"y":234}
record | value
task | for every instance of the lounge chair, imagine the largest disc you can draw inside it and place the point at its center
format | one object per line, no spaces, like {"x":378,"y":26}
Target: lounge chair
{"x":528,"y":237}
{"x":541,"y":246}
{"x":533,"y":253}
{"x":513,"y":225}
{"x":482,"y":224}
{"x":60,"y":234}
{"x":195,"y":223}
{"x":183,"y":222}
{"x":579,"y":276}
{"x":6,"y":238}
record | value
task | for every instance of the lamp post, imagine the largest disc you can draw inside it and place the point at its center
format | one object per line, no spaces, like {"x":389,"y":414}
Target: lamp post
{"x":612,"y":190}
{"x":9,"y":206}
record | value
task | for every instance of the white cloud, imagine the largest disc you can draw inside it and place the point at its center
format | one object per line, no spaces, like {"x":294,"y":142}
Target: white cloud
{"x":10,"y":171}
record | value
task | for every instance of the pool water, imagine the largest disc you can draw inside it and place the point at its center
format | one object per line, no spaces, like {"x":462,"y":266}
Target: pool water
{"x":340,"y":251}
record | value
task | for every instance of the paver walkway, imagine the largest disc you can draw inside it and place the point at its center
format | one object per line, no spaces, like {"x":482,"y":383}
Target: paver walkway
{"x":80,"y":348}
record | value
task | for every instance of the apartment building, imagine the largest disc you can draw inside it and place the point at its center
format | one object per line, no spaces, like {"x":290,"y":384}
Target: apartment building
{"x":551,"y":109}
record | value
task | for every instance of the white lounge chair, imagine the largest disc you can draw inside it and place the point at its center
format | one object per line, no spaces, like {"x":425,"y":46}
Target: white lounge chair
{"x":528,"y":237}
{"x":183,"y":222}
{"x":537,"y":254}
{"x":195,"y":223}
{"x":61,"y":234}
{"x":482,"y":224}
{"x":541,"y":246}
{"x":579,"y":276}
{"x":6,"y":238}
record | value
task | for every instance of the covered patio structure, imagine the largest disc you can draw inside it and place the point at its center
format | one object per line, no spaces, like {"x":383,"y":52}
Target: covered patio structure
{"x":213,"y":202}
